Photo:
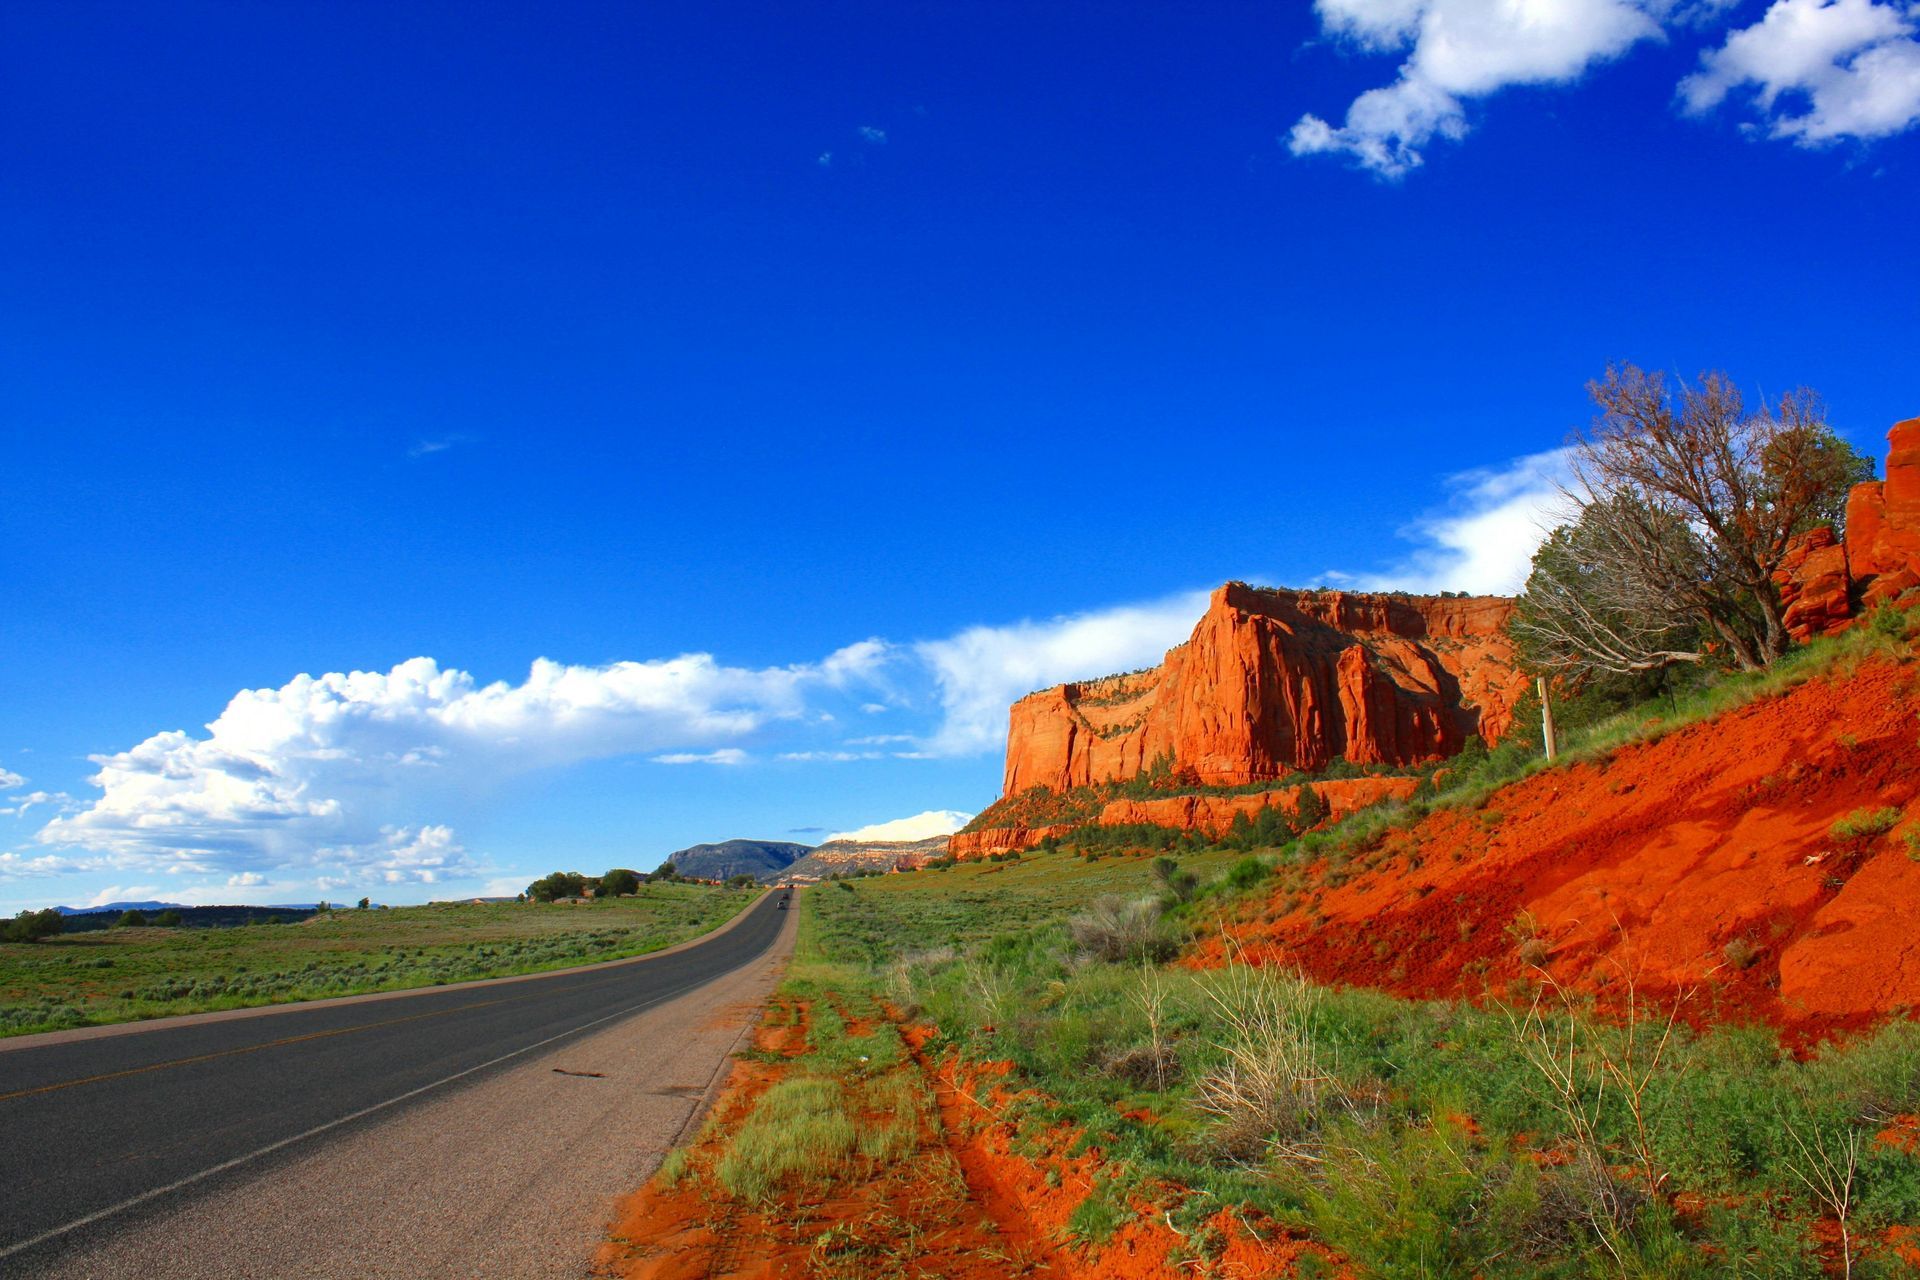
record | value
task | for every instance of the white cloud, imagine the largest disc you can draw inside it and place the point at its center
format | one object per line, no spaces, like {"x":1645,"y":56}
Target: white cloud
{"x":982,"y":670}
{"x":440,"y":444}
{"x":1853,"y":66}
{"x":826,"y":160}
{"x":921,"y":826}
{"x":1483,"y":541}
{"x":872,"y":135}
{"x":19,"y":805}
{"x":840,"y":757}
{"x":245,"y":880}
{"x":326,"y":772}
{"x":1458,"y":50}
{"x":122,"y":893}
{"x":422,"y":855}
{"x":725,"y":756}
{"x":18,"y":866}
{"x":11,"y":781}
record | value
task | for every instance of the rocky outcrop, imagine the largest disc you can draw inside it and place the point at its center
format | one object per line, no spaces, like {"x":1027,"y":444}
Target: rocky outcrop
{"x":1883,"y":522}
{"x":982,"y":844}
{"x":1211,"y":814}
{"x":1815,"y":587}
{"x":1824,"y":583}
{"x":844,"y":856}
{"x":1273,"y":682}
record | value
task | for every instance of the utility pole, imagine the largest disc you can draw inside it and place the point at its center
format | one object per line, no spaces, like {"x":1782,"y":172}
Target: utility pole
{"x":1546,"y":721}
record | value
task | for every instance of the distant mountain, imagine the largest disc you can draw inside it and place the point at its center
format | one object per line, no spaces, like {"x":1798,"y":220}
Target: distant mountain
{"x":761,"y":859}
{"x":842,"y":856}
{"x":122,"y":906}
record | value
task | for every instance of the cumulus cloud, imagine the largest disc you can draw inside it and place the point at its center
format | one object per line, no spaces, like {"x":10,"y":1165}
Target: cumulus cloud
{"x":1819,"y":70}
{"x":245,"y":880}
{"x":321,"y":772}
{"x":979,"y":672}
{"x":1455,"y":51}
{"x":1483,"y":539}
{"x":921,"y":826}
{"x":11,"y":781}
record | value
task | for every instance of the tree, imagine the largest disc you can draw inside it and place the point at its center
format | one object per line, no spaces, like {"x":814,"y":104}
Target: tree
{"x":559,"y":884}
{"x":363,"y":904}
{"x":667,"y":872}
{"x":742,"y":881}
{"x":1685,"y":508}
{"x":31,"y":926}
{"x":133,"y":919}
{"x":618,"y":883}
{"x":168,"y":919}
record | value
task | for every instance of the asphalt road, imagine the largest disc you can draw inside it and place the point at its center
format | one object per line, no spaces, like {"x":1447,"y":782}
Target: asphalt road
{"x":111,"y":1142}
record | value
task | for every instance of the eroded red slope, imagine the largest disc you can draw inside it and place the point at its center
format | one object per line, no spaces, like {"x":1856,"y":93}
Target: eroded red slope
{"x":1706,"y":860}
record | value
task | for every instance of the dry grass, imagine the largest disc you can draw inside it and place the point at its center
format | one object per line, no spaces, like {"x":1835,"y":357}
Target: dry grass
{"x":1271,"y":1092}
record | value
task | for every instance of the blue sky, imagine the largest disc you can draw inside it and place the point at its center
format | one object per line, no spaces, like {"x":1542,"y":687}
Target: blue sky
{"x":804,"y":382}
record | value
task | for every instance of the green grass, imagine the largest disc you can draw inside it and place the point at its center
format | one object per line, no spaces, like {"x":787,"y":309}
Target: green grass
{"x":1864,"y":824}
{"x":119,"y":975}
{"x":1371,"y":1131}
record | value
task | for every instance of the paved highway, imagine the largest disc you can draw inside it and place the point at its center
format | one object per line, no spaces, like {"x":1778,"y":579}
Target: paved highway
{"x":115,"y":1144}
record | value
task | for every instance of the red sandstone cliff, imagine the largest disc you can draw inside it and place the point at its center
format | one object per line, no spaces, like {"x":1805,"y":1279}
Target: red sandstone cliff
{"x":1825,"y":583}
{"x":1276,"y":681}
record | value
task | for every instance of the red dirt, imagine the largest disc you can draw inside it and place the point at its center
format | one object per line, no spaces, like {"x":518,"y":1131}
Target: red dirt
{"x":1033,"y":1197}
{"x":1702,"y":861}
{"x":965,"y":1205}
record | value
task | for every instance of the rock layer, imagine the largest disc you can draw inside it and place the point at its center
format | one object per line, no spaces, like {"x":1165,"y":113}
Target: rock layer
{"x":1273,"y":682}
{"x":1883,"y":521}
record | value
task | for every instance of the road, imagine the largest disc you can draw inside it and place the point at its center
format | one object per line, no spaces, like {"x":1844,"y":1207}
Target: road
{"x":477,"y":1131}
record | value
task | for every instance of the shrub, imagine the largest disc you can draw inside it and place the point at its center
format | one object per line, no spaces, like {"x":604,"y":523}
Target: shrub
{"x":133,"y":919}
{"x":1113,"y":929}
{"x":1246,"y":873}
{"x":619,"y":882}
{"x":1865,"y":824}
{"x":1269,"y":1088}
{"x":1741,"y":953}
{"x":1178,"y":885}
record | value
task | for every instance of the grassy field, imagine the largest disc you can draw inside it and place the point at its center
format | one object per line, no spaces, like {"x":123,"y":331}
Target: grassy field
{"x":118,"y":975}
{"x":1494,"y":1141}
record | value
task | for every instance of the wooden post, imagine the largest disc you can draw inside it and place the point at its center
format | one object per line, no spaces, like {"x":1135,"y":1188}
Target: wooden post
{"x":1546,"y":721}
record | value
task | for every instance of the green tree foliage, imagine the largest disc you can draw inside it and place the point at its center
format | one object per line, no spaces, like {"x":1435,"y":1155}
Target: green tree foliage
{"x":135,"y":919}
{"x":363,"y":904}
{"x":168,"y":919}
{"x":558,"y":884}
{"x":618,"y":883}
{"x":31,"y":926}
{"x":1687,"y":502}
{"x":741,"y":881}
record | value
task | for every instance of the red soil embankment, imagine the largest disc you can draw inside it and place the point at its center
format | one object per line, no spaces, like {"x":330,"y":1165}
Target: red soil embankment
{"x":1705,"y":860}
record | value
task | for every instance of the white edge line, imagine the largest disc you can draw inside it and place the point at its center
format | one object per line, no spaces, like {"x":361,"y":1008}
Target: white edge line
{"x":271,"y":1147}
